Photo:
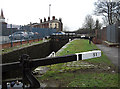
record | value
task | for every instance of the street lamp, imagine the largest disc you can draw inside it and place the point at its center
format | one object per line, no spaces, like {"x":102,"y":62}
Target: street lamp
{"x":11,"y":35}
{"x":39,"y":18}
{"x":49,"y":9}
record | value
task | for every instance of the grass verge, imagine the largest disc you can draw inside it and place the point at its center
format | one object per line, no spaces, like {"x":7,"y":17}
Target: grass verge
{"x":96,"y":72}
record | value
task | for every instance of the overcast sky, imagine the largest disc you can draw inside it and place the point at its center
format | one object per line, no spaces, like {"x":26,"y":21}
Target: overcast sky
{"x":72,"y":12}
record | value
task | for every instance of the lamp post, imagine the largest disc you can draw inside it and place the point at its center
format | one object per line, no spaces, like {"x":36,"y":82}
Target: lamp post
{"x":49,"y":9}
{"x":11,"y":35}
{"x":39,"y":18}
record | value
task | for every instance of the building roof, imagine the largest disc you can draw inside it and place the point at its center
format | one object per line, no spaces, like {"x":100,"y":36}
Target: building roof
{"x":51,"y":21}
{"x":54,"y":21}
{"x":46,"y":22}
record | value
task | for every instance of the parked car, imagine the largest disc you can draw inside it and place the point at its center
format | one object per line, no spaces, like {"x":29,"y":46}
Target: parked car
{"x":59,"y":33}
{"x":19,"y":35}
{"x":31,"y":34}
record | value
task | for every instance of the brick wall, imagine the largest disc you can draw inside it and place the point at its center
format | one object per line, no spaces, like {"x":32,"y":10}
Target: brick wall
{"x":8,"y":45}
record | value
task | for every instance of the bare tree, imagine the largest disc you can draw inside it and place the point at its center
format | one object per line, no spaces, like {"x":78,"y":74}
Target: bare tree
{"x":98,"y":25}
{"x":116,"y":11}
{"x":89,"y":22}
{"x":108,"y":9}
{"x":105,"y":21}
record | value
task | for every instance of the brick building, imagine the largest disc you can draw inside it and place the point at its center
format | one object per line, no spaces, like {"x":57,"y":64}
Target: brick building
{"x":4,"y":29}
{"x":54,"y":23}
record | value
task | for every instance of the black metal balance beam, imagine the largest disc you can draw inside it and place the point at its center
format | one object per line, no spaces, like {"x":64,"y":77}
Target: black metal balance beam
{"x":26,"y":64}
{"x":40,"y":62}
{"x":54,"y":60}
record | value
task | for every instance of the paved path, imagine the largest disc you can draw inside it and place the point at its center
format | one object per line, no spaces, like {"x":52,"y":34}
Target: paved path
{"x":111,"y":52}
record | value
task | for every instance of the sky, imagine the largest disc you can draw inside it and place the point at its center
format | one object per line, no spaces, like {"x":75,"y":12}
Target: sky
{"x":72,"y":12}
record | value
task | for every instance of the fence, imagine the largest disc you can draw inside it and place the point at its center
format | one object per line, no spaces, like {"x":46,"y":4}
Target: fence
{"x":37,"y":33}
{"x":112,"y":33}
{"x":43,"y":32}
{"x":109,"y":33}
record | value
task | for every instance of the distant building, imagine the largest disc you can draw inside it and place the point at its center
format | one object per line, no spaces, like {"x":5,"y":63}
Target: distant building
{"x":3,"y":24}
{"x":54,"y":23}
{"x":5,"y":28}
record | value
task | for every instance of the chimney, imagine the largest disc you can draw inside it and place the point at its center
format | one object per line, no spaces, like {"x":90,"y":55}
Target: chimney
{"x":48,"y":18}
{"x":44,"y":19}
{"x":53,"y":18}
{"x":40,"y":20}
{"x":60,"y":19}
